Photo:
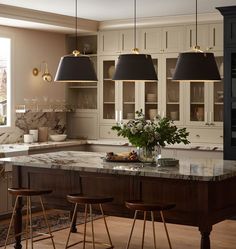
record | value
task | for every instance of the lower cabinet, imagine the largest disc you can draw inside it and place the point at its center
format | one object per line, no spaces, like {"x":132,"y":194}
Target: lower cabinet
{"x":83,"y":124}
{"x":5,"y":198}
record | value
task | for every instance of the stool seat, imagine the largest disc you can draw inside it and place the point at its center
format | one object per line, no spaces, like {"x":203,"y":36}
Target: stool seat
{"x":83,"y":199}
{"x":28,"y":192}
{"x":143,"y":206}
{"x":88,"y":201}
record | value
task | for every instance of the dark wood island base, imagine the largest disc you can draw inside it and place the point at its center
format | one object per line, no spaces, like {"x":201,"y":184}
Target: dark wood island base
{"x":203,"y":190}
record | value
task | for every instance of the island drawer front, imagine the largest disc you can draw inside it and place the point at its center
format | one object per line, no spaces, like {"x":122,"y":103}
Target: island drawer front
{"x":206,"y":135}
{"x":107,"y":132}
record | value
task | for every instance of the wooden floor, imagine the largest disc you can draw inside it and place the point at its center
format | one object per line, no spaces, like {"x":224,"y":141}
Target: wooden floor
{"x":182,"y":237}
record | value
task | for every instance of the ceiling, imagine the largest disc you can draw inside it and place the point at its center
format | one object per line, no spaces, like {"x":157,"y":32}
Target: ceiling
{"x":58,"y":15}
{"x":101,"y":10}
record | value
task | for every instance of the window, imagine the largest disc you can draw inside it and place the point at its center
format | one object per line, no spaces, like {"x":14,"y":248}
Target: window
{"x":5,"y":54}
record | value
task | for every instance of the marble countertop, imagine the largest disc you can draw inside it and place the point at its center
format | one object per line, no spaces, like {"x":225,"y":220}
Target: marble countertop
{"x":188,"y":169}
{"x":7,"y":149}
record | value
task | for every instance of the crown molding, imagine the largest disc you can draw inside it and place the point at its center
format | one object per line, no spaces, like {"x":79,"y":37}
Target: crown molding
{"x":66,"y":23}
{"x":160,"y":21}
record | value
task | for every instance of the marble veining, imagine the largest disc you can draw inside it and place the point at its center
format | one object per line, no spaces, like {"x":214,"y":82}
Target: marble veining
{"x":56,"y":122}
{"x":188,"y":169}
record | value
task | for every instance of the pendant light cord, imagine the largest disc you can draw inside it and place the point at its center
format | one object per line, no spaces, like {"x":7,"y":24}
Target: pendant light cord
{"x":76,"y":25}
{"x":134,"y":24}
{"x":196,"y":24}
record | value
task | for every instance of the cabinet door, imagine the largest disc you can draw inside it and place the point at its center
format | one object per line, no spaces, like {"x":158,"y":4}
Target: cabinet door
{"x":202,"y":36}
{"x":173,"y":39}
{"x":83,"y":124}
{"x":230,"y":31}
{"x":150,"y":40}
{"x":108,"y":91}
{"x":109,"y":42}
{"x":172,"y":91}
{"x":197,"y":95}
{"x":127,"y":100}
{"x":216,"y":97}
{"x":216,"y":41}
{"x":127,"y":41}
{"x":149,"y":94}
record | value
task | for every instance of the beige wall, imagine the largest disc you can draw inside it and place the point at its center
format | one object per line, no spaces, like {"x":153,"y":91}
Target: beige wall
{"x":30,"y":48}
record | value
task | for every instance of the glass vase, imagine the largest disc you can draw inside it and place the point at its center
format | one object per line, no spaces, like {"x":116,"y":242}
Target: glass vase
{"x":147,"y":154}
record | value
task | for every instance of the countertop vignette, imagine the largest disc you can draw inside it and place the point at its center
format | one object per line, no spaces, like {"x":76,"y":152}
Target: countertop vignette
{"x":188,"y":169}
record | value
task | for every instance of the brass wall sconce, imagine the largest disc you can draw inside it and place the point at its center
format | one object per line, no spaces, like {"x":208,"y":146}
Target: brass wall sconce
{"x":45,"y":73}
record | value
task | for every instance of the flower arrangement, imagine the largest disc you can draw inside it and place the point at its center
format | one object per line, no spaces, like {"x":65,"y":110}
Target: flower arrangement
{"x":149,"y":133}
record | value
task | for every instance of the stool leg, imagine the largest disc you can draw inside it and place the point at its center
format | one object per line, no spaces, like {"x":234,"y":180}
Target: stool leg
{"x":31,"y":225}
{"x":91,"y":219}
{"x":153,"y":228}
{"x":144,"y":226}
{"x":46,"y":221}
{"x":105,"y":222}
{"x":85,"y":223}
{"x":12,"y":216}
{"x":71,"y":224}
{"x":131,"y":232}
{"x":27,"y":222}
{"x":167,"y":234}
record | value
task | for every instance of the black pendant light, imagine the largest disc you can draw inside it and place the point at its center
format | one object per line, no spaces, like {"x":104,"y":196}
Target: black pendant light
{"x":135,"y":66}
{"x":196,"y":65}
{"x":75,"y":67}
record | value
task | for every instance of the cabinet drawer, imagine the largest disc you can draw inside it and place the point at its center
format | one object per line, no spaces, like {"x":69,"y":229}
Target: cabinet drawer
{"x":206,"y":135}
{"x":107,"y":132}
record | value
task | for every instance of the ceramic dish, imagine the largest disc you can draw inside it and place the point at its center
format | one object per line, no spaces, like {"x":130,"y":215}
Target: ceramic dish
{"x":58,"y":137}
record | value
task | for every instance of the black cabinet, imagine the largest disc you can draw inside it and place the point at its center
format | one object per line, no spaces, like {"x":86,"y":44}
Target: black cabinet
{"x":229,"y":14}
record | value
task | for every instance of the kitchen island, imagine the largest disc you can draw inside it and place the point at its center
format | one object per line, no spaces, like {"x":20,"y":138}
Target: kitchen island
{"x":202,"y":189}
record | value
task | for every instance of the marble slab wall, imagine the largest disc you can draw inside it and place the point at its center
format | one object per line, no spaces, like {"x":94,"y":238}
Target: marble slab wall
{"x":55,"y":121}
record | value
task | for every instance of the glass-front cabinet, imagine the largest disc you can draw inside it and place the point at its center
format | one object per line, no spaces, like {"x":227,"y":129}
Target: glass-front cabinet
{"x":120,"y":100}
{"x":172,"y":91}
{"x":233,"y":98}
{"x":205,"y":101}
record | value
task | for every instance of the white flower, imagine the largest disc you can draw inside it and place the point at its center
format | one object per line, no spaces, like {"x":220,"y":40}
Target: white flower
{"x":147,"y":127}
{"x":133,"y":130}
{"x":139,"y":126}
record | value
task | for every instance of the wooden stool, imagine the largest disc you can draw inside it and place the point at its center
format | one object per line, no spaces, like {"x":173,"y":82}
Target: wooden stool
{"x":145,"y":207}
{"x":88,"y":201}
{"x":28,"y":193}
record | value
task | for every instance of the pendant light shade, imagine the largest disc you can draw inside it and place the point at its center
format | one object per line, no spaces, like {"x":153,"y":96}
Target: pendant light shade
{"x":135,"y":66}
{"x":75,"y":69}
{"x":132,"y":67}
{"x":196,"y":66}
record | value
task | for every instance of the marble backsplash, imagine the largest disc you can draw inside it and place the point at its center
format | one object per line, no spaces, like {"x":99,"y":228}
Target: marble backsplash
{"x":55,"y":121}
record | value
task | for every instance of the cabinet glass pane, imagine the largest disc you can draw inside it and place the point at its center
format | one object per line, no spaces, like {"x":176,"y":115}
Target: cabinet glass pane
{"x":233,"y":123}
{"x":172,"y":91}
{"x":233,"y":74}
{"x":219,"y":93}
{"x":151,"y":96}
{"x":151,"y":99}
{"x":128,"y":100}
{"x":108,"y":90}
{"x":197,"y":101}
{"x":218,"y":101}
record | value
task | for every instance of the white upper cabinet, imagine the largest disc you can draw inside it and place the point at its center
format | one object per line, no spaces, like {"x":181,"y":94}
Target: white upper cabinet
{"x":202,"y":37}
{"x":209,"y":36}
{"x":216,"y":33}
{"x":127,"y":41}
{"x":109,"y":42}
{"x":162,"y":40}
{"x":150,"y":40}
{"x":173,"y":39}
